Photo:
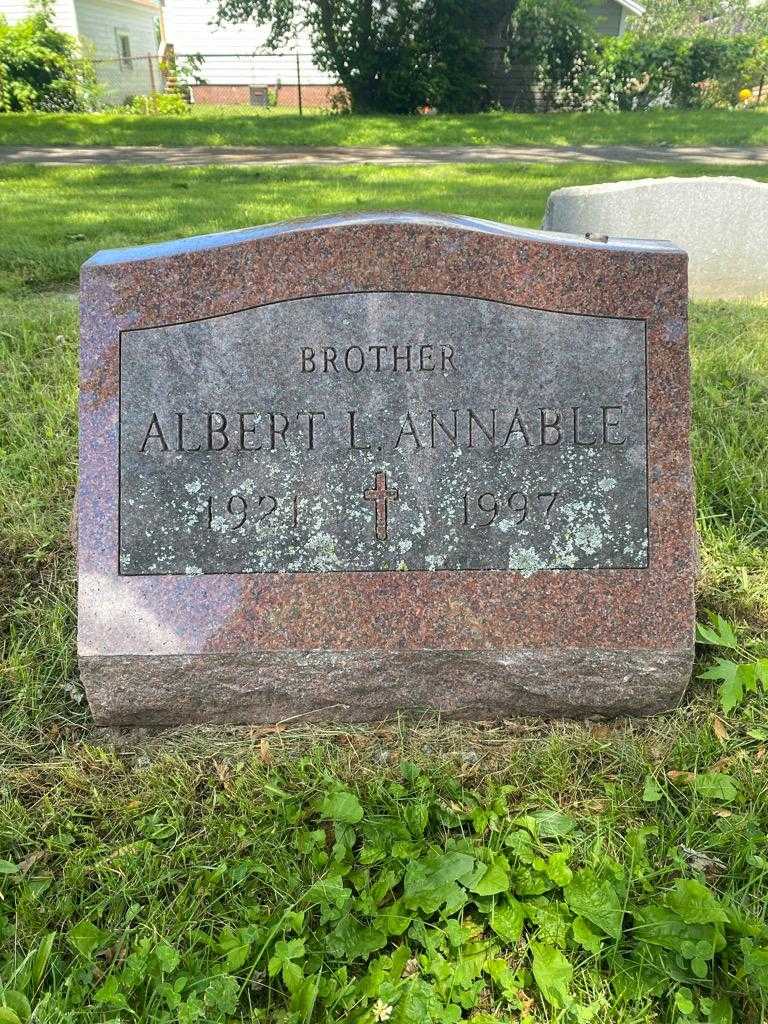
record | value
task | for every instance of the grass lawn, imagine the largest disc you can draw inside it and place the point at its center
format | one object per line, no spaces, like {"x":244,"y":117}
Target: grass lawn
{"x":272,"y":128}
{"x":408,"y":872}
{"x":54,"y":218}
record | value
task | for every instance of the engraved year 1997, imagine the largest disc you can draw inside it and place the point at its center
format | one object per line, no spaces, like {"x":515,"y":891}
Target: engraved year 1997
{"x":489,"y":506}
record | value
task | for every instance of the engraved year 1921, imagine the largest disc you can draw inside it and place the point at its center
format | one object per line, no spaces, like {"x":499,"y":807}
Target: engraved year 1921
{"x":236,"y":511}
{"x":484,"y":509}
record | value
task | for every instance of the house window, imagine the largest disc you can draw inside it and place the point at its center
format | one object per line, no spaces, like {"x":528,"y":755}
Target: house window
{"x":124,"y":50}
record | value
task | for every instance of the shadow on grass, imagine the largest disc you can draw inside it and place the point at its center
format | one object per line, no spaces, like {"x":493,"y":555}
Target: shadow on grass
{"x":274,"y":128}
{"x":56,"y":217}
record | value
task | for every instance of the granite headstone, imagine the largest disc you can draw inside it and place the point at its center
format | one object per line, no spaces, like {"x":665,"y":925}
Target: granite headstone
{"x":338,"y":468}
{"x":721,"y":222}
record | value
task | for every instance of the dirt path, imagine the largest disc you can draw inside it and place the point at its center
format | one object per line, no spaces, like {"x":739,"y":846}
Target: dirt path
{"x":196,"y":156}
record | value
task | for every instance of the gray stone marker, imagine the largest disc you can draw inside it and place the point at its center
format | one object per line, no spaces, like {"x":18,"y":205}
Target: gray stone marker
{"x":270,"y":452}
{"x":345,"y":467}
{"x":721,"y":222}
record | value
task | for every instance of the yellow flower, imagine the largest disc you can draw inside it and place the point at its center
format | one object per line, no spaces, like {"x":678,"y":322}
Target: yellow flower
{"x":745,"y":95}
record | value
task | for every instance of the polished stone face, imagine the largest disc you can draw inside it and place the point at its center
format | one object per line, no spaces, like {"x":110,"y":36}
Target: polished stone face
{"x":340,"y":468}
{"x":383,"y":431}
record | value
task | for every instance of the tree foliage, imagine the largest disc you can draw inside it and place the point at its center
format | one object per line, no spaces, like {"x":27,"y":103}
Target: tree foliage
{"x":40,"y":67}
{"x":691,"y":17}
{"x":394,"y":55}
{"x":397,"y":56}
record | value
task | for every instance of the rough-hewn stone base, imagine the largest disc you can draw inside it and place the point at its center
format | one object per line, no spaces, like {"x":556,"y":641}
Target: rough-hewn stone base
{"x":323,"y":686}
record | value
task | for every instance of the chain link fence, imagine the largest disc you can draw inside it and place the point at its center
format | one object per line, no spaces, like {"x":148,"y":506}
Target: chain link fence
{"x":252,"y":82}
{"x":260,"y":83}
{"x":119,"y":80}
{"x":227,"y":82}
{"x":265,"y":82}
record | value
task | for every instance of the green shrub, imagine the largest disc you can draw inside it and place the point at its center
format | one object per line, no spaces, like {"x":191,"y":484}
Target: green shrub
{"x":756,"y":66}
{"x":40,"y":67}
{"x":169,"y":104}
{"x":633,"y":72}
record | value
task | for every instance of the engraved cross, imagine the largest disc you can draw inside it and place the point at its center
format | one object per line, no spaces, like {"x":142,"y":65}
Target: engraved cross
{"x":381,"y":495}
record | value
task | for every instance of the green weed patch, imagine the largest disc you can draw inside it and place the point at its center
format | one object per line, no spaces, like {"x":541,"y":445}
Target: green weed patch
{"x":260,"y":894}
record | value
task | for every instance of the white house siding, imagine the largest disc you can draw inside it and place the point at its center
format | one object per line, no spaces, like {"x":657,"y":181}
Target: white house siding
{"x":14,"y":10}
{"x":63,"y":13}
{"x":97,"y":23}
{"x":608,"y":17}
{"x":229,"y":49}
{"x":100,"y":24}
